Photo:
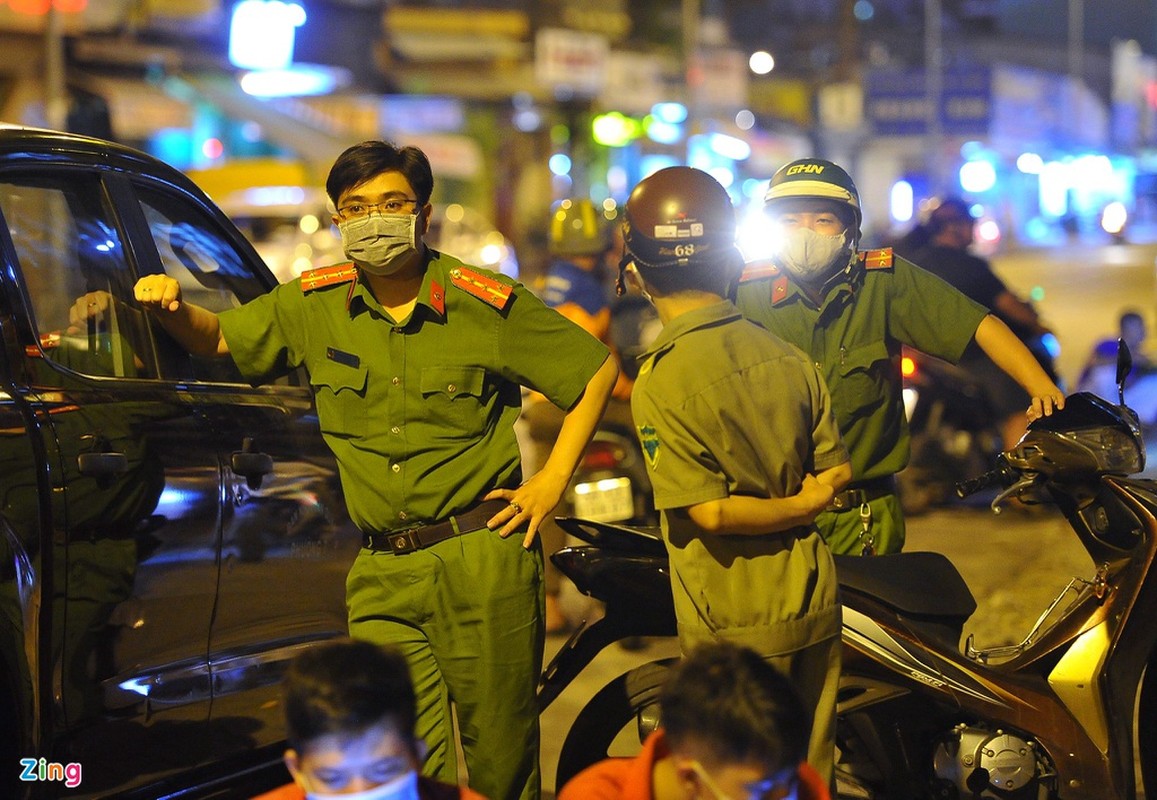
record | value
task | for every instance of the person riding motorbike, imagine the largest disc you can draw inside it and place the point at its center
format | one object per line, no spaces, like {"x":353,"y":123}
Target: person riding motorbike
{"x":949,"y":225}
{"x":576,"y":286}
{"x":852,"y":312}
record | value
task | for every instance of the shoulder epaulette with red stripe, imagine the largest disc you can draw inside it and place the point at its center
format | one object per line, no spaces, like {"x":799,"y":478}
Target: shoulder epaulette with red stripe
{"x":877,"y":259}
{"x":759,"y":269}
{"x":328,"y":276}
{"x":481,"y":286}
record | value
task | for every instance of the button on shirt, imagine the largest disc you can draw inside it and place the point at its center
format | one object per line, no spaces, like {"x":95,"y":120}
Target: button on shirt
{"x":420,"y":412}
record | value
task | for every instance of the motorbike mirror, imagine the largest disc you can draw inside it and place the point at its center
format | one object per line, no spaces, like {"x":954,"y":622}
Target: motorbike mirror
{"x":1124,"y":367}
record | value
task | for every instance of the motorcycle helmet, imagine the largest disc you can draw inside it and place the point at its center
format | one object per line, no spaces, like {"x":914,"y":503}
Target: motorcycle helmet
{"x":815,"y":178}
{"x":678,"y":217}
{"x":942,"y":211}
{"x":577,"y":228}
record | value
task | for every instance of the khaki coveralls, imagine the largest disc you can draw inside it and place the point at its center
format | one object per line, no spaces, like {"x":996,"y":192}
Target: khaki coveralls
{"x":723,"y":408}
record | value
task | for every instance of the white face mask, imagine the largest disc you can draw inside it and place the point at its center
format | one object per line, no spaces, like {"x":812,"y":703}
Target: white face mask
{"x":403,"y":787}
{"x":380,"y":243}
{"x":812,"y":257}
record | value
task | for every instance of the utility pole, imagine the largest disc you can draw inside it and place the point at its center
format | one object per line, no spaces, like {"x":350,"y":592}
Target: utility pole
{"x":55,"y":90}
{"x":933,"y":89}
{"x":1077,"y":41}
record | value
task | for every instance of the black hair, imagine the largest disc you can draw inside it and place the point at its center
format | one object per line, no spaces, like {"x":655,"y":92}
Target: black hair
{"x":741,"y":708}
{"x":371,"y":158}
{"x":345,"y":687}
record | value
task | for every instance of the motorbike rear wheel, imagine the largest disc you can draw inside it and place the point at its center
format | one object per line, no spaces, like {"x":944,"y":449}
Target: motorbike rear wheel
{"x":630,"y":698}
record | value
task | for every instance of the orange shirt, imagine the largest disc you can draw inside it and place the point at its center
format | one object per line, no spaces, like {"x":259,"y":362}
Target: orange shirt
{"x":427,"y":790}
{"x":630,"y":778}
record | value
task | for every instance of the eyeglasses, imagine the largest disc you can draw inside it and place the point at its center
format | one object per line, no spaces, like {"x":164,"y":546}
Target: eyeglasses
{"x":780,"y":786}
{"x":395,"y":205}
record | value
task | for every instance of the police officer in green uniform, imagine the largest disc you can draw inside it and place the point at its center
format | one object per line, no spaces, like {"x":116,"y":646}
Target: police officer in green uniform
{"x":851,"y":312}
{"x":741,"y":446}
{"x":416,"y":361}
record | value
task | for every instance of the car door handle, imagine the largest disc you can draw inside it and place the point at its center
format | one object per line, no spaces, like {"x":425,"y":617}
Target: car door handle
{"x":96,"y":464}
{"x":251,"y":463}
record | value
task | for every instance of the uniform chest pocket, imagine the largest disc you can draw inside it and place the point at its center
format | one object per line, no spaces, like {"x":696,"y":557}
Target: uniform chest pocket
{"x":864,"y":374}
{"x":340,"y":393}
{"x":453,"y":399}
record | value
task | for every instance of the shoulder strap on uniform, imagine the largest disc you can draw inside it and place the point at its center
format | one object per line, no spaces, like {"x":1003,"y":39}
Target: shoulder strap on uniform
{"x":759,"y":269}
{"x":877,"y":259}
{"x":328,"y":276}
{"x":482,"y":286}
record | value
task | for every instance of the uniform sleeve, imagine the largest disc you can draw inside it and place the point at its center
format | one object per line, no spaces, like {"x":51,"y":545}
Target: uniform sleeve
{"x":828,"y":446}
{"x":541,"y":349}
{"x":929,"y":314}
{"x":266,"y":336}
{"x":683,"y":471}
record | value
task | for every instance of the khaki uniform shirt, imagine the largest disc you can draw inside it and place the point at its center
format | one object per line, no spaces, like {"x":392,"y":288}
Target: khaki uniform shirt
{"x":421,"y":413}
{"x":723,"y":408}
{"x":854,"y":338}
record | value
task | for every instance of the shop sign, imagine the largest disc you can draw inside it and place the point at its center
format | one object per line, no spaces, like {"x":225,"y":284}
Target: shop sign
{"x":896,"y":102}
{"x":74,"y":16}
{"x":575,"y":61}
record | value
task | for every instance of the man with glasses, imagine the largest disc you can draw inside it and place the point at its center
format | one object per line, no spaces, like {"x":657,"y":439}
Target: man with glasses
{"x":417,"y":363}
{"x":732,"y":728}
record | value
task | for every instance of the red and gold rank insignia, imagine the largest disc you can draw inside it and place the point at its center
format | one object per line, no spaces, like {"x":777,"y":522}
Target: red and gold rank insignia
{"x":758,"y":269}
{"x":481,"y":286}
{"x":877,"y":259}
{"x":328,"y":276}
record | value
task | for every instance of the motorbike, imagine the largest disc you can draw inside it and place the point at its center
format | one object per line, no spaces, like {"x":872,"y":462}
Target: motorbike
{"x":1056,"y":717}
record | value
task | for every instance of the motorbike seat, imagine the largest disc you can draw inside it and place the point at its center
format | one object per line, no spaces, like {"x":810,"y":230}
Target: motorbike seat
{"x":920,"y":585}
{"x":645,"y":541}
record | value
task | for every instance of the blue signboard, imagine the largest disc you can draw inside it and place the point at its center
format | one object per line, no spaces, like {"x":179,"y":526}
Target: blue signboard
{"x":896,"y":101}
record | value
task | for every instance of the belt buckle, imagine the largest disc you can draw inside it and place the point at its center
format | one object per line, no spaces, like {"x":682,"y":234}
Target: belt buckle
{"x":403,"y":542}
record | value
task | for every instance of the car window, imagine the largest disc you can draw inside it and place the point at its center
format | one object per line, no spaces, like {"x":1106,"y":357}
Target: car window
{"x":76,"y":275}
{"x":195,"y":251}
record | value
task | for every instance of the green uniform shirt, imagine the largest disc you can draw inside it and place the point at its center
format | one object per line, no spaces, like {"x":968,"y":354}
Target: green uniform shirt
{"x":421,"y":414}
{"x":722,"y":408}
{"x":854,"y":337}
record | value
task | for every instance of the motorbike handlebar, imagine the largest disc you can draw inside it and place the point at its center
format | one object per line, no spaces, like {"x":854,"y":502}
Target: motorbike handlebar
{"x":1000,"y":475}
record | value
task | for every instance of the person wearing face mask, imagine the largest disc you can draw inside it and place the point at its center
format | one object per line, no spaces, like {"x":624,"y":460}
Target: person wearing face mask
{"x":417,"y":363}
{"x":851,"y":311}
{"x":349,"y":711}
{"x":741,"y":447}
{"x":731,"y":728}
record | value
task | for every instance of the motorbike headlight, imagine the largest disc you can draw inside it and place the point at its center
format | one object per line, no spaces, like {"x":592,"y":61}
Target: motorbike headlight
{"x":1059,"y":453}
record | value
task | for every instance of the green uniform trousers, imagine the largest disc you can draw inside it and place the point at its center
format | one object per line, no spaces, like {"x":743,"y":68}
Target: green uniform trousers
{"x":467,"y":613}
{"x":842,"y":529}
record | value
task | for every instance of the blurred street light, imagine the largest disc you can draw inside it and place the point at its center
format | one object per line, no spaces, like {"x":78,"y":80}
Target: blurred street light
{"x":761,"y":62}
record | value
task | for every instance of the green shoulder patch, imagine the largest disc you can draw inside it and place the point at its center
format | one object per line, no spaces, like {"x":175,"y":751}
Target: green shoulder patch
{"x":649,"y":439}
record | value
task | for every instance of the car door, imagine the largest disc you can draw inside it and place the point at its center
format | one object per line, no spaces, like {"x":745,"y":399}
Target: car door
{"x":127,"y":564}
{"x":286,"y":539}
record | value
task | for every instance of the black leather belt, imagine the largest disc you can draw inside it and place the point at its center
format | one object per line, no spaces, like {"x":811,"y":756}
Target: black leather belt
{"x":859,"y":493}
{"x":411,"y":539}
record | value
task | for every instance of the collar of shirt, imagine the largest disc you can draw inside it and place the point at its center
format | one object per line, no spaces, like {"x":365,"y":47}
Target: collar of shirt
{"x":431,"y":293}
{"x":714,"y":314}
{"x":784,"y":289}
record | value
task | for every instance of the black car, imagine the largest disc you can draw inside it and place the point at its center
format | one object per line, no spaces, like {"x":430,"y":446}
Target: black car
{"x":170,"y":536}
